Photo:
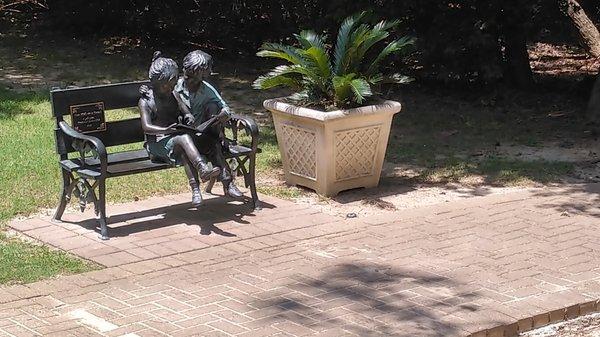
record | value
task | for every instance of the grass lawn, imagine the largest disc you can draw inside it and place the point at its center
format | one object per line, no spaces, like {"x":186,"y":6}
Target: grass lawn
{"x":21,"y":262}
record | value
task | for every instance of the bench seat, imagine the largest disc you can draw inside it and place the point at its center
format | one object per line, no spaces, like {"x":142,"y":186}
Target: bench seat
{"x":131,"y":162}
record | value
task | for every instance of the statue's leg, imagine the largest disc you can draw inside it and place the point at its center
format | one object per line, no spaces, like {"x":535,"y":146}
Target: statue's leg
{"x":217,"y":135}
{"x":209,"y":185}
{"x":229,"y":187}
{"x":184,"y":144}
{"x":192,"y":175}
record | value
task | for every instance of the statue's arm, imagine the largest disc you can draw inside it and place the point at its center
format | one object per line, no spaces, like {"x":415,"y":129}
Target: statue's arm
{"x":215,"y":96}
{"x":188,"y":117}
{"x":146,"y":119}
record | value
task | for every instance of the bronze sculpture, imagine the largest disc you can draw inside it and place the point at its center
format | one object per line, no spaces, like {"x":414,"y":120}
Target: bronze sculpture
{"x":160,"y":116}
{"x":200,"y":99}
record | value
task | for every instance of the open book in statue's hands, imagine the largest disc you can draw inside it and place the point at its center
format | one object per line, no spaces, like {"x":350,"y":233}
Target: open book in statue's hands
{"x":185,"y":127}
{"x":200,"y":128}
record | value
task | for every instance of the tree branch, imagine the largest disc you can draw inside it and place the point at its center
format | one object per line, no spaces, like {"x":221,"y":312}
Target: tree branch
{"x":7,"y":6}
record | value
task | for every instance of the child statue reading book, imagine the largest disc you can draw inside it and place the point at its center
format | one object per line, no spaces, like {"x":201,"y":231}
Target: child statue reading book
{"x":203,"y":101}
{"x":160,"y":116}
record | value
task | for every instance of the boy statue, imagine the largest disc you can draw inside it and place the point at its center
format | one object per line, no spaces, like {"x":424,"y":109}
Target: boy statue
{"x":198,"y":97}
{"x":160,"y":113}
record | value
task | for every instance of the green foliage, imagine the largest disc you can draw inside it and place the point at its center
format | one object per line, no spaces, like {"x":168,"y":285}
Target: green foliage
{"x":460,"y":40}
{"x":352,"y":76}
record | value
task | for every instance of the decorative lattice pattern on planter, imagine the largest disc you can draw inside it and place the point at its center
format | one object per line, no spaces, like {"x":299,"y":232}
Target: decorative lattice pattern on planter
{"x":355,"y":152}
{"x":300,"y":150}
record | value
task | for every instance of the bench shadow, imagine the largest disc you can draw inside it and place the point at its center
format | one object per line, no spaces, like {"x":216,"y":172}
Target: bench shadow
{"x":212,"y":212}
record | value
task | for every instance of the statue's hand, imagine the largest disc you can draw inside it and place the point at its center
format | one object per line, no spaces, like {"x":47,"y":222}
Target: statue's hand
{"x":225,"y":143}
{"x":171,"y":128}
{"x":189,"y":119}
{"x":224,"y":115}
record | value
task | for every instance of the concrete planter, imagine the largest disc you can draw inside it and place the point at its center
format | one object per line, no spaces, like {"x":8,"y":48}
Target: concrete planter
{"x":332,"y":151}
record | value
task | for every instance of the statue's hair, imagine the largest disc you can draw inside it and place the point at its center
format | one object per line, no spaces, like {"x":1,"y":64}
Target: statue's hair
{"x":197,"y":60}
{"x":162,"y":68}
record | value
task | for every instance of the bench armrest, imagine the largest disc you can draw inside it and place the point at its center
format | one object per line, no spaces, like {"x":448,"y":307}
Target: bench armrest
{"x":81,"y":141}
{"x":249,"y":125}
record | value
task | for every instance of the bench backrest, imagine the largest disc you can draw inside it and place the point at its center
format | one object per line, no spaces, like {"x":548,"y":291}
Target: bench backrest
{"x":114,"y":96}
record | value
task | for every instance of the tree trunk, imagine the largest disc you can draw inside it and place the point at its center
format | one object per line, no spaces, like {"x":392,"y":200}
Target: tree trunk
{"x":513,"y":16}
{"x":588,"y":32}
{"x":518,"y":68}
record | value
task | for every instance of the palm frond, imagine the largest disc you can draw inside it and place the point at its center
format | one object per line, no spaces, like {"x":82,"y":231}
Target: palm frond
{"x":342,"y":88}
{"x":341,"y":46}
{"x":392,"y":48}
{"x":375,"y":78}
{"x":281,"y":51}
{"x":301,"y":96}
{"x":386,"y":25}
{"x":397,"y":79}
{"x":321,"y":60}
{"x":364,"y":41}
{"x":315,"y":51}
{"x":266,"y":82}
{"x":308,"y":39}
{"x":285,"y":75}
{"x":361,"y":89}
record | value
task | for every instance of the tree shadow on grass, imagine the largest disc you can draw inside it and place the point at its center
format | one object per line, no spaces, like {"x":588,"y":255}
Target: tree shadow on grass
{"x":14,"y":103}
{"x":368,"y":299}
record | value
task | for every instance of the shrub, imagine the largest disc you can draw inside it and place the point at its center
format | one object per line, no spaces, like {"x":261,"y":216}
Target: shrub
{"x":345,"y":75}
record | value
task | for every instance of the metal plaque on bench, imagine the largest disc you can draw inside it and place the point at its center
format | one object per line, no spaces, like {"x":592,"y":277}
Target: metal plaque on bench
{"x":87,"y":118}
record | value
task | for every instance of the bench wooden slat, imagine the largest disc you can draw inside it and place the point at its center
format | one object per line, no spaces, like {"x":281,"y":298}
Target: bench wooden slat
{"x":121,"y":157}
{"x":89,"y":173}
{"x":113,"y":158}
{"x":135,"y":167}
{"x":69,"y":165}
{"x":136,"y":156}
{"x":120,"y":132}
{"x":237,"y":150}
{"x":114,"y":96}
{"x":114,"y":169}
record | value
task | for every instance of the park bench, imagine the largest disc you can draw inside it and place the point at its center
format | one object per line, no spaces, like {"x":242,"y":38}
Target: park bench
{"x":82,"y":145}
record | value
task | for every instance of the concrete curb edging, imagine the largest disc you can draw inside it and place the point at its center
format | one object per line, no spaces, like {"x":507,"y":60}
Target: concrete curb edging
{"x":541,"y":320}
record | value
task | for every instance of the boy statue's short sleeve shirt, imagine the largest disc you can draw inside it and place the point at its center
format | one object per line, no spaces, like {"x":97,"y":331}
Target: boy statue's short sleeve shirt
{"x":199,"y":100}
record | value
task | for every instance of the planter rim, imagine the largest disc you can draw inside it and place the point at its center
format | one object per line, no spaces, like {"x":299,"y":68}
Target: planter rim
{"x":386,"y":107}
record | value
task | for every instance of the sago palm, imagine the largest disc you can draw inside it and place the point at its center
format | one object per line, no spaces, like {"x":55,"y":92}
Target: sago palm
{"x":344,"y":76}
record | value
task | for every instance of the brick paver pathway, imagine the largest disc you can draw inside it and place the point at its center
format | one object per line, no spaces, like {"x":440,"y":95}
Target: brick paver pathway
{"x":448,"y":270}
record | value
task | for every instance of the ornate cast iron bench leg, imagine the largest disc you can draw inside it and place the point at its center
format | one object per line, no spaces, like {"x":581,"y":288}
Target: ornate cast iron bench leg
{"x":252,"y":183}
{"x":65,"y":194}
{"x":101,"y":209}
